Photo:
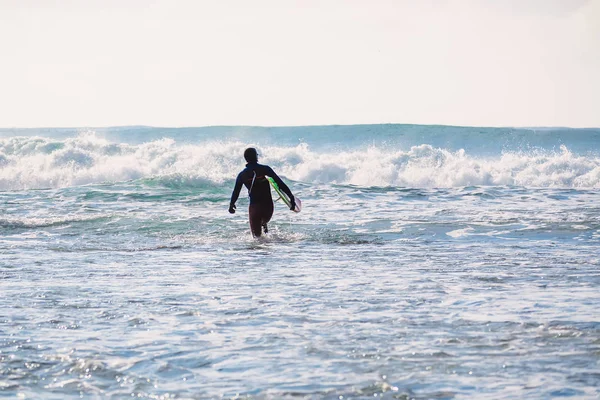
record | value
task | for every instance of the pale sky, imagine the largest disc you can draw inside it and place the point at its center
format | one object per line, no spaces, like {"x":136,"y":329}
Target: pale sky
{"x":280,"y":62}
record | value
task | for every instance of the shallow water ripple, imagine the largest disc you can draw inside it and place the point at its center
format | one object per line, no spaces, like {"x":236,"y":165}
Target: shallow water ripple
{"x":289,"y":323}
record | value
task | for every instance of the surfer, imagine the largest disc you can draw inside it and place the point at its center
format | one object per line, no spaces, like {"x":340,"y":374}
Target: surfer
{"x":254,"y":177}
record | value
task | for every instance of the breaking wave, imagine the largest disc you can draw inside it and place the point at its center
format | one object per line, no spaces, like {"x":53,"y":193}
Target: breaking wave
{"x":38,"y":162}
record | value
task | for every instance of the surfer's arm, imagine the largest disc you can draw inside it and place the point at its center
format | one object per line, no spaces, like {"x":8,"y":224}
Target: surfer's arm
{"x":284,"y":188}
{"x":236,"y":193}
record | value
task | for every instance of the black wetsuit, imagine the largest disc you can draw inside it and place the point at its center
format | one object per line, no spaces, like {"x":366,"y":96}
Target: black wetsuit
{"x":254,"y":177}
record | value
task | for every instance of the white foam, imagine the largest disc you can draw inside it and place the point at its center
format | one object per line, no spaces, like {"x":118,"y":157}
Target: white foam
{"x":460,"y":232}
{"x":38,"y":222}
{"x":35,"y":162}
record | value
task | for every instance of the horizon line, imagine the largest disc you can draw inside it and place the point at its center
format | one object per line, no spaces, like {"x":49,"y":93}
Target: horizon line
{"x":292,"y":126}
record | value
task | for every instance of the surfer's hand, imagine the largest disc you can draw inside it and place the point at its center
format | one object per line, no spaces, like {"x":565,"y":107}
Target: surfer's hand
{"x":232,"y":208}
{"x":292,"y":203}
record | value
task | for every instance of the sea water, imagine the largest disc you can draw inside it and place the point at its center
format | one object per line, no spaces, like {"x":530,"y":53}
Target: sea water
{"x":428,"y":262}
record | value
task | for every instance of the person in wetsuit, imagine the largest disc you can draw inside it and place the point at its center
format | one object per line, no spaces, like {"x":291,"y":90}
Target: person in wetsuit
{"x":254,"y":177}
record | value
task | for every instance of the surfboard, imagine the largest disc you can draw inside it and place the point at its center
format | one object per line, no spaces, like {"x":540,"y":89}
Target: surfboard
{"x":284,"y":196}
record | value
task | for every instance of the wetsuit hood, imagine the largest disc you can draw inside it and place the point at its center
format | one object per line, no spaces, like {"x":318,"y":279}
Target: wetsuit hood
{"x":251,"y":155}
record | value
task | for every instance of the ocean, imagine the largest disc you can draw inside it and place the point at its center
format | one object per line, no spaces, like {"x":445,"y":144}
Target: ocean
{"x":428,"y":262}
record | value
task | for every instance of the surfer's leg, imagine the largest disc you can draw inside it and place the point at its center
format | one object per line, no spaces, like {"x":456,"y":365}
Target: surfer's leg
{"x":254,"y":215}
{"x":267,"y":213}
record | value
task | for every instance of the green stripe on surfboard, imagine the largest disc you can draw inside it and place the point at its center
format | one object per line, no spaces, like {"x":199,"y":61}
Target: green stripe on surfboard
{"x":282,"y":195}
